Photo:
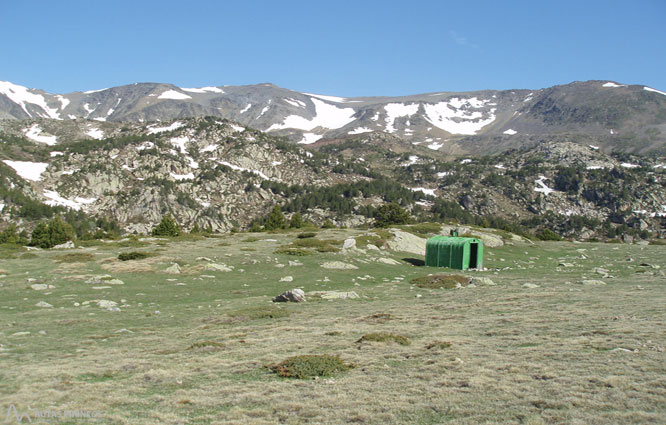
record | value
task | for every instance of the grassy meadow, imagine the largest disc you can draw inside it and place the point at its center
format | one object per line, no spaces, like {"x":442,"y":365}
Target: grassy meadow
{"x":145,"y":345}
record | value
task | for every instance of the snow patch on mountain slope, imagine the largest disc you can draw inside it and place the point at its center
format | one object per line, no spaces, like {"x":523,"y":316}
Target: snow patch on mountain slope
{"x":654,"y":90}
{"x":188,"y":176}
{"x":309,"y":138}
{"x":510,"y":132}
{"x":396,"y":110}
{"x":242,"y":111}
{"x":237,"y":168}
{"x":173,"y":94}
{"x":94,"y":91}
{"x":430,"y":192}
{"x":295,"y":102}
{"x":63,"y":101}
{"x":457,"y":116}
{"x":21,"y":96}
{"x":326,"y":116}
{"x":203,"y":90}
{"x":335,"y":99}
{"x":173,"y":126}
{"x":28,"y":170}
{"x":76,"y":204}
{"x":541,"y":186}
{"x":95,"y":133}
{"x":35,"y":133}
{"x":612,"y":84}
{"x":360,"y":130}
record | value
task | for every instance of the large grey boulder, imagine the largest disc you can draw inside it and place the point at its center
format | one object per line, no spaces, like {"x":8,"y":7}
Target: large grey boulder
{"x":293,"y":295}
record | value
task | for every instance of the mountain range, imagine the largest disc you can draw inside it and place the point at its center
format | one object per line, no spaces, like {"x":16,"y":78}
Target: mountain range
{"x":608,"y":114}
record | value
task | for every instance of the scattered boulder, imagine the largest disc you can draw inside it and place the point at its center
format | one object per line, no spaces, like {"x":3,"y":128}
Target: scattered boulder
{"x":591,"y":282}
{"x":406,"y":242}
{"x":388,"y":261}
{"x":43,"y":304}
{"x":372,"y":247}
{"x":530,"y":285}
{"x":173,"y":269}
{"x":334,"y":295}
{"x":287,"y":279}
{"x":39,"y":286}
{"x":295,"y":263}
{"x":213,"y":267}
{"x":204,"y":259}
{"x":349,"y":243}
{"x":566,"y":265}
{"x":338,"y":265}
{"x":292,"y":295}
{"x":479,"y":280}
{"x":107,"y":304}
{"x":66,"y":245}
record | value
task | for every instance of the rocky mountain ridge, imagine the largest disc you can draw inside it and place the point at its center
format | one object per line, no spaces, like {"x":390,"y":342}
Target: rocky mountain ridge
{"x":614,"y":116}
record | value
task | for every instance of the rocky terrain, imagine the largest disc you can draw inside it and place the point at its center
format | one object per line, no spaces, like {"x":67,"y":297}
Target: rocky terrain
{"x":613,"y":116}
{"x":219,"y":175}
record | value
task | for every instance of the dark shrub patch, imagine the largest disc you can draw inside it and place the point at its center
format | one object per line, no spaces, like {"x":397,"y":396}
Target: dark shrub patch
{"x":134,"y":255}
{"x":310,"y":366}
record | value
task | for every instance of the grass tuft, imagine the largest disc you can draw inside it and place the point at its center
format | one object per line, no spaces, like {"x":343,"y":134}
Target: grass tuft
{"x":254,"y":313}
{"x":385,"y":337}
{"x":206,"y":345}
{"x":438,"y":345}
{"x":306,"y":235}
{"x":310,"y":366}
{"x":75,"y":257}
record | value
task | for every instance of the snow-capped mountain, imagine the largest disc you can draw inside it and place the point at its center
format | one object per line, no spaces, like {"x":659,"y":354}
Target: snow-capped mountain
{"x":606,"y":110}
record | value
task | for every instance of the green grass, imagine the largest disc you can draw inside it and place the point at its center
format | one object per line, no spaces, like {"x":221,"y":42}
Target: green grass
{"x":479,"y":354}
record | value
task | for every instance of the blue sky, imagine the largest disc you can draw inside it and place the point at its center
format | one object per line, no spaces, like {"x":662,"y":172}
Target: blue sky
{"x":345,"y":48}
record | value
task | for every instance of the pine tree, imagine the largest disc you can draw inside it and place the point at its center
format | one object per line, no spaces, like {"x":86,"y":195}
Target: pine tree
{"x":296,"y":221}
{"x":167,"y":227}
{"x":391,"y":214}
{"x":275,"y":219}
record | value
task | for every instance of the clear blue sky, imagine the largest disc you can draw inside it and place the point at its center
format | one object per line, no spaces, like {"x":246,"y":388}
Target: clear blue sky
{"x":339,"y":47}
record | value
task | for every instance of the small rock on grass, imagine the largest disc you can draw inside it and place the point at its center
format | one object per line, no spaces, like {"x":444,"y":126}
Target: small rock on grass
{"x":479,"y":280}
{"x":530,"y":285}
{"x":173,"y":269}
{"x":338,"y":265}
{"x":591,"y":282}
{"x":43,"y":304}
{"x":287,"y":279}
{"x":293,"y":295}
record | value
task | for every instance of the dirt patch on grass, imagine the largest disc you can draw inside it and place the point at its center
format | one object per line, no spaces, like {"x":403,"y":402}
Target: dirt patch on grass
{"x":437,"y":281}
{"x":115,"y":265}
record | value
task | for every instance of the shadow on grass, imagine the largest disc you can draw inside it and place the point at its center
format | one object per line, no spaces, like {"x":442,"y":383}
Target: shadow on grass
{"x":414,"y":261}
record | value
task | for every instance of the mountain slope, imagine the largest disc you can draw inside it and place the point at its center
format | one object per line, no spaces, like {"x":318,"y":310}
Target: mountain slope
{"x":615,"y":116}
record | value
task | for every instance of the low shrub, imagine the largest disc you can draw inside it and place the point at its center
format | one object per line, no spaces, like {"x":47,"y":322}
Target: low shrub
{"x":310,"y":366}
{"x":306,"y":235}
{"x":300,"y":252}
{"x":436,"y":281}
{"x":438,"y":345}
{"x":134,"y":255}
{"x":208,"y":345}
{"x":385,"y":337}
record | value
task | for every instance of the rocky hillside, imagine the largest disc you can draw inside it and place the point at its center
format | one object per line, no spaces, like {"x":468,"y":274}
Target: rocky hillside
{"x":610,"y":115}
{"x":217,"y":174}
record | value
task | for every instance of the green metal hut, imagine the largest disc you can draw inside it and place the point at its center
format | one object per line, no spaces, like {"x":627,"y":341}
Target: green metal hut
{"x":454,"y":252}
